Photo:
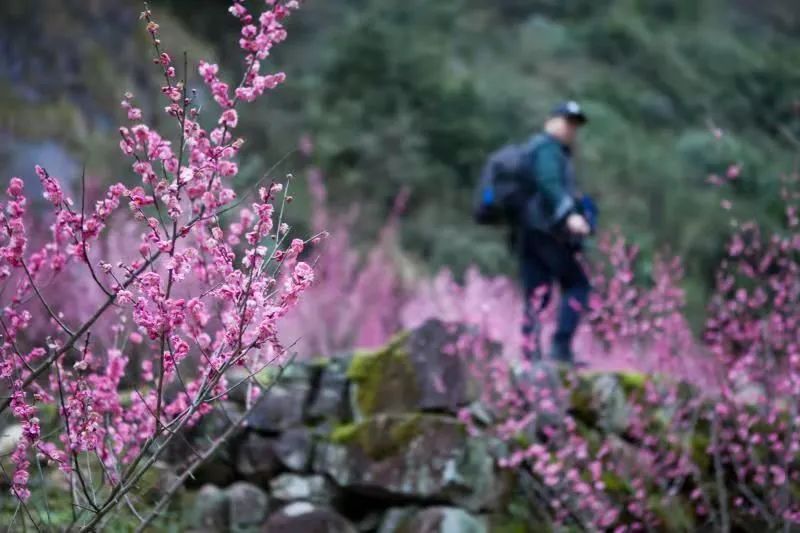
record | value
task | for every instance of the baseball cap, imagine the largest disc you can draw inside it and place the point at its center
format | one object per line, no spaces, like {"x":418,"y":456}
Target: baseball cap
{"x":570,"y":109}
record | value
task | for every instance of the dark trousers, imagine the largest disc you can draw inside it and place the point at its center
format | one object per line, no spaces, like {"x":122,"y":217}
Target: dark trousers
{"x":544,"y":259}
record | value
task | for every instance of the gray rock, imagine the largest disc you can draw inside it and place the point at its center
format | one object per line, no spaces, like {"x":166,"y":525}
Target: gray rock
{"x":396,"y":517}
{"x":280,"y":408}
{"x":443,"y":378}
{"x":260,"y":458}
{"x":247,"y":506}
{"x":237,"y":378}
{"x":292,"y":487}
{"x":608,"y":399}
{"x":294,"y":448}
{"x":369,"y":523}
{"x":421,"y":457}
{"x":418,"y":371}
{"x":219,"y":469}
{"x":307,"y":518}
{"x":295,"y":372}
{"x":211,"y":510}
{"x":9,"y":437}
{"x":256,"y":460}
{"x":330,"y":397}
{"x":441,"y":520}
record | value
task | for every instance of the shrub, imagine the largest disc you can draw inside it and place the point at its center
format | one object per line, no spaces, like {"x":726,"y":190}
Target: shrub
{"x":198,"y":291}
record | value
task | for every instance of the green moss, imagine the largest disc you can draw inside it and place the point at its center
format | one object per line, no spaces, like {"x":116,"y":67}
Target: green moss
{"x":615,"y":484}
{"x":509,"y":526}
{"x":344,"y":433}
{"x":593,"y":437}
{"x":632,"y":382}
{"x":266,"y":376}
{"x":364,"y":361}
{"x":520,"y":515}
{"x":406,"y":430}
{"x":581,"y":403}
{"x":674,"y":513}
{"x":699,"y":450}
{"x":385,"y":380}
{"x":383,"y":435}
{"x":522,"y":440}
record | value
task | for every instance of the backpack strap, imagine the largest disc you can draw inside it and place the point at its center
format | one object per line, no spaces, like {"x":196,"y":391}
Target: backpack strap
{"x":529,"y":150}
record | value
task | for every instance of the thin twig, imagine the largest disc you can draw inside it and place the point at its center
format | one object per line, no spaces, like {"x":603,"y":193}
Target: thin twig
{"x":20,"y":501}
{"x":84,"y":247}
{"x":180,"y":480}
{"x":78,"y":334}
{"x":722,"y":493}
{"x":52,"y":313}
{"x":69,"y":443}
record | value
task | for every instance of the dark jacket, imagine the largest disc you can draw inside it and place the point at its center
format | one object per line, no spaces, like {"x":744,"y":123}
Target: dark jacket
{"x":551,"y":191}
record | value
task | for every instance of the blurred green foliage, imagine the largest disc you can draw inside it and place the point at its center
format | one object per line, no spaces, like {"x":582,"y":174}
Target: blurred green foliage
{"x":414,"y":94}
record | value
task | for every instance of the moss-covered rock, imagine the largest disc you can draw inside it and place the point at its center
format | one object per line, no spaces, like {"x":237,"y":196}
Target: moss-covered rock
{"x":412,"y":456}
{"x":603,"y":399}
{"x":416,"y":371}
{"x":381,"y":436}
{"x":384,"y":381}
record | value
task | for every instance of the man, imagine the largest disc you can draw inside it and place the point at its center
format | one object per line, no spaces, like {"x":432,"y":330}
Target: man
{"x":550,"y":231}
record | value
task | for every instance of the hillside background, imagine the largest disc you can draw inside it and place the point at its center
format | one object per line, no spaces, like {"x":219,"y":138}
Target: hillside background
{"x":413,"y":94}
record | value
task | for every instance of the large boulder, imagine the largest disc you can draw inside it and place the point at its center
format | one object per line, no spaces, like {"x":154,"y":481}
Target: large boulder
{"x":307,"y":518}
{"x":416,"y":371}
{"x":438,"y":519}
{"x":411,"y":458}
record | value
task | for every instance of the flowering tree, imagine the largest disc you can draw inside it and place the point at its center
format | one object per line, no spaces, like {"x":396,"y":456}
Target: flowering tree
{"x":201,"y":292}
{"x":354,"y":301}
{"x":710,"y":440}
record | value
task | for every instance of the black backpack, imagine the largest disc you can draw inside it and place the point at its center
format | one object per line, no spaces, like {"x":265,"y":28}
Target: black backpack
{"x":502,"y":187}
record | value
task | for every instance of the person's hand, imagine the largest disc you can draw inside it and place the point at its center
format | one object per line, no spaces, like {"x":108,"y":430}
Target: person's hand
{"x":577,"y":225}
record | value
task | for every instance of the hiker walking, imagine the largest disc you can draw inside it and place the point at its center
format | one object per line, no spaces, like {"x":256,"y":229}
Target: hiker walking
{"x":532,"y":188}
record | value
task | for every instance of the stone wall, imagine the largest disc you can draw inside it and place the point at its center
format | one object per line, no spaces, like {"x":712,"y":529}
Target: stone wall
{"x":372,"y":442}
{"x":364,"y":442}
